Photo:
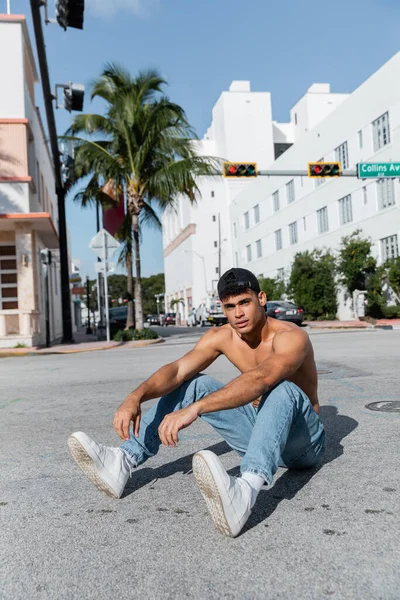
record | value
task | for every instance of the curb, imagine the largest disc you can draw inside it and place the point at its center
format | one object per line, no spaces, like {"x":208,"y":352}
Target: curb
{"x":12,"y":353}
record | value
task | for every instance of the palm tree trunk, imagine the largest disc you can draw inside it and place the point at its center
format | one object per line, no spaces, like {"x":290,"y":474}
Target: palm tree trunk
{"x":130,"y":322}
{"x":138,"y":281}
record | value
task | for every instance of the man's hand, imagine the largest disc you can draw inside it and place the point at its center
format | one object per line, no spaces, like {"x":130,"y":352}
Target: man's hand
{"x":174,"y":422}
{"x":128,"y":411}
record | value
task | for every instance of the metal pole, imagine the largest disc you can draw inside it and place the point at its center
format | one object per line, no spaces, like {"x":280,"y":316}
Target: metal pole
{"x":106,"y":284}
{"x":294,"y":173}
{"x":47,"y":303}
{"x":51,"y":124}
{"x":100,"y":303}
{"x":88,"y":328}
{"x":9,"y":7}
{"x":219,"y":245}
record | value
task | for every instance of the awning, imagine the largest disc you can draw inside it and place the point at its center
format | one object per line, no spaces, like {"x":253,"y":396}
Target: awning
{"x":39,"y":222}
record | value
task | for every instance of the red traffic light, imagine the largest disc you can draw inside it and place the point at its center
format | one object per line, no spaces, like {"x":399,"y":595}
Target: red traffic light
{"x":324,"y":169}
{"x":240,"y":169}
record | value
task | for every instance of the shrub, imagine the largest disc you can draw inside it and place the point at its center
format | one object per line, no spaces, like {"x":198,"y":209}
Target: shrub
{"x":376,"y":302}
{"x":312,"y":283}
{"x":20,"y":345}
{"x":128,"y":335}
{"x":391,"y":312}
{"x":273,"y":287}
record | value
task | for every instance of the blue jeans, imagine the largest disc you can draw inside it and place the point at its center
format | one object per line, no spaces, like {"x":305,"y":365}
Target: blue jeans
{"x":284,"y":430}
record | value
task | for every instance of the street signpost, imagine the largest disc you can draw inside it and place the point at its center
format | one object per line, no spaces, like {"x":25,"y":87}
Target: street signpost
{"x":103,"y":244}
{"x":378,"y":170}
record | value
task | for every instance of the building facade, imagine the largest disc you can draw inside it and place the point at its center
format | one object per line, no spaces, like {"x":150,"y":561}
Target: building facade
{"x":28,"y":206}
{"x":268,"y":219}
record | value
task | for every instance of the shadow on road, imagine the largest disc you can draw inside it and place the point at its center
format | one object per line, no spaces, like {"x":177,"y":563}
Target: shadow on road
{"x":337,"y":427}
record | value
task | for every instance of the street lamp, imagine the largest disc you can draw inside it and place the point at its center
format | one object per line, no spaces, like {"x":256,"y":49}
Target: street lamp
{"x":204,"y":265}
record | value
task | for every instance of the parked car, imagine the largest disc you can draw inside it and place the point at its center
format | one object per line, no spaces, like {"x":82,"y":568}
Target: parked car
{"x":118,"y":316}
{"x":153,"y":320}
{"x":169,"y":319}
{"x":285,"y":311}
{"x":210,"y":312}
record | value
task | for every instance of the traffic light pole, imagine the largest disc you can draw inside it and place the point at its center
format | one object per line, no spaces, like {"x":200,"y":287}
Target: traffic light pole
{"x":272,"y":173}
{"x":60,"y":191}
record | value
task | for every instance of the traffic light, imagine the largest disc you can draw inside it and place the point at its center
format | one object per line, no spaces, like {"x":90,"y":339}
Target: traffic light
{"x":324,"y":169}
{"x":70,"y":13}
{"x":240,"y":169}
{"x":73,"y":96}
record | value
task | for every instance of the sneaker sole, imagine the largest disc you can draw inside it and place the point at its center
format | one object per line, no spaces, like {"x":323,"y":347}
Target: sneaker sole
{"x":211,"y":495}
{"x":87,"y":465}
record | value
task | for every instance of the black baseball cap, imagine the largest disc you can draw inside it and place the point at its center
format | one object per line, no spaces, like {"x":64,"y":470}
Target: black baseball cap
{"x":235,"y":280}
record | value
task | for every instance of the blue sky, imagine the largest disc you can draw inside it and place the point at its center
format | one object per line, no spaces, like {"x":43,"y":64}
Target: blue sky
{"x":200,"y":47}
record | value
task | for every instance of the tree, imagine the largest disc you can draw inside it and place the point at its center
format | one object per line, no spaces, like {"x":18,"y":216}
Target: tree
{"x":355,"y":262}
{"x":273,"y":287}
{"x":312,"y":283}
{"x":143,"y":145}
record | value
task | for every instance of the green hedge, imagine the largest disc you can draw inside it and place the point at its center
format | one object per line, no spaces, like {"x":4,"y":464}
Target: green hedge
{"x":128,"y":335}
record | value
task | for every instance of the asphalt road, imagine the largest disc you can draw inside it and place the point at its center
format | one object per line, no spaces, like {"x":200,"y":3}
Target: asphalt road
{"x":329,"y":533}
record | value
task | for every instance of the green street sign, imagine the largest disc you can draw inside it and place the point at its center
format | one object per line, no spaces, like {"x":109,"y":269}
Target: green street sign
{"x":377,"y":170}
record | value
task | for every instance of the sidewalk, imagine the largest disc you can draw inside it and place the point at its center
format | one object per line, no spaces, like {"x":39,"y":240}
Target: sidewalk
{"x":380,"y":323}
{"x":83,"y":343}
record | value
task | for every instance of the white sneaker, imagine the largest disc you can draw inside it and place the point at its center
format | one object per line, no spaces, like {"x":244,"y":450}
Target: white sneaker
{"x":107,"y":468}
{"x":228,"y":498}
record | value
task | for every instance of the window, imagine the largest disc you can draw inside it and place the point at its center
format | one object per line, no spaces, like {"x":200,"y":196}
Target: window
{"x":257,"y":213}
{"x":360,"y":139}
{"x":212,"y":194}
{"x":234,"y":230}
{"x":342,"y":156}
{"x":322,"y":218}
{"x":385,"y":193}
{"x":304,"y":223}
{"x":259,"y":248}
{"x":345,"y":210}
{"x":8,"y":277}
{"x":248,"y":253}
{"x":278,"y":239}
{"x":390,"y":248}
{"x":217,"y":270}
{"x":381,"y":131}
{"x":246,"y":220}
{"x":215,"y":244}
{"x":293,"y":233}
{"x":295,"y":118}
{"x":214,"y":218}
{"x":275,"y":197}
{"x":237,"y":259}
{"x":280,"y":274}
{"x":290,"y":191}
{"x":364,"y":193}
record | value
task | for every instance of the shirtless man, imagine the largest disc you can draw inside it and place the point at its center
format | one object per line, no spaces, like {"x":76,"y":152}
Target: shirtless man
{"x":269,"y":414}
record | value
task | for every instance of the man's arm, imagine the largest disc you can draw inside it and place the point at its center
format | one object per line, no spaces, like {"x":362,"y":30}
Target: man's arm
{"x":165,"y":380}
{"x":172,"y":375}
{"x":289,"y":350}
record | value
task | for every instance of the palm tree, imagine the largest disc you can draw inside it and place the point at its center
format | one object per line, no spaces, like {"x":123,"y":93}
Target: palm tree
{"x":144,"y":146}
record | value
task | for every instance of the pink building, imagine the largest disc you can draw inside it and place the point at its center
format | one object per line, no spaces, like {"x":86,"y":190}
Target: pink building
{"x":28,"y":203}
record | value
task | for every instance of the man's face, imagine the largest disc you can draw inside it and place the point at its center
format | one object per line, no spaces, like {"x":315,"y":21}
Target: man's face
{"x":245,"y":311}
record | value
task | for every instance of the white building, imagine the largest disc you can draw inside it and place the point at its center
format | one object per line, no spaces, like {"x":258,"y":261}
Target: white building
{"x":272,"y":218}
{"x":28,"y":204}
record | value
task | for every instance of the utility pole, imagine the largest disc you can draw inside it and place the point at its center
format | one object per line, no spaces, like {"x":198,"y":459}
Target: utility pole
{"x":60,"y":191}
